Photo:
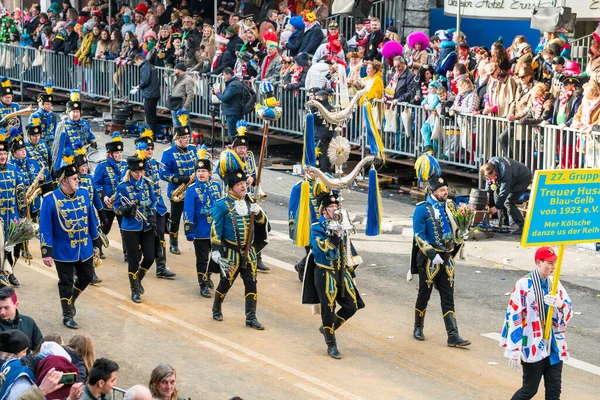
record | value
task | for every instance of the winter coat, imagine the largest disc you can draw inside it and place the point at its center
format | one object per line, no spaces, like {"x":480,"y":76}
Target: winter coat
{"x":149,"y":85}
{"x":405,"y":87}
{"x":193,"y":60}
{"x":572,"y":106}
{"x":294,"y":43}
{"x":273,"y":71}
{"x":311,"y":40}
{"x":26,"y":325}
{"x":231,"y":103}
{"x":183,"y":87}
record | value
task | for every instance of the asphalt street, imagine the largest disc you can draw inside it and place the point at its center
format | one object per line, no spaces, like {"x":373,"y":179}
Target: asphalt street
{"x":381,"y":360}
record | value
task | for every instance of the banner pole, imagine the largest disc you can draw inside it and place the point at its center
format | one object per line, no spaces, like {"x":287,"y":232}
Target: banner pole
{"x":561,"y":252}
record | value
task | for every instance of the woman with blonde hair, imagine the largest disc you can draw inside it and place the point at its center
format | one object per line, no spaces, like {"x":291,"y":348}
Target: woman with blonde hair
{"x":373,"y":82}
{"x":587,"y":116}
{"x":83,"y":354}
{"x":207,"y":45}
{"x":163,"y":383}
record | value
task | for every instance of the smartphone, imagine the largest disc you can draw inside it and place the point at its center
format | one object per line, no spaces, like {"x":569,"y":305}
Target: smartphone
{"x":69,"y":378}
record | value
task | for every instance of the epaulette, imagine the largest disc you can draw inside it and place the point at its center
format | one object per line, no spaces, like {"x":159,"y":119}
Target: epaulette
{"x":46,"y":194}
{"x":421,"y":202}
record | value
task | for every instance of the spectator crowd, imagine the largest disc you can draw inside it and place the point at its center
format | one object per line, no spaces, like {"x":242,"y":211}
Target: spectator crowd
{"x":294,"y":44}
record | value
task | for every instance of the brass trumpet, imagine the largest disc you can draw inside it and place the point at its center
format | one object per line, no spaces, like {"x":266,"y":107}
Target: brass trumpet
{"x":34,"y":189}
{"x":179,"y":193}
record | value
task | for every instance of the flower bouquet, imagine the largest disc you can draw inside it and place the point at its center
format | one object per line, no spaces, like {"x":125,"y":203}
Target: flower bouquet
{"x":464,"y":216}
{"x":20,"y":231}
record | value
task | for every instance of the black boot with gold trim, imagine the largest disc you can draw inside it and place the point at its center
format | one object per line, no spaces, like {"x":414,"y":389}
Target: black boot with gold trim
{"x":67,"y":312}
{"x":174,"y":247}
{"x":76,"y":293}
{"x":141,"y":273}
{"x":135,"y":289}
{"x":419,"y":323}
{"x":331,"y":343}
{"x":454,"y":339}
{"x":251,"y":320}
{"x":216,"y":309}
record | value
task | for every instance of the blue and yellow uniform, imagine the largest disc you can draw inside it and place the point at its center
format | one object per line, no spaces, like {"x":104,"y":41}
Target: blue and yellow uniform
{"x":316,"y":188}
{"x":437,"y":240}
{"x":86,"y":183}
{"x":41,"y":152}
{"x":136,"y":203}
{"x":229,"y":234}
{"x":48,"y":122}
{"x":12,"y":194}
{"x":71,"y":132}
{"x":5,"y":109}
{"x":178,"y":167}
{"x":107,"y":176}
{"x":197,"y":218}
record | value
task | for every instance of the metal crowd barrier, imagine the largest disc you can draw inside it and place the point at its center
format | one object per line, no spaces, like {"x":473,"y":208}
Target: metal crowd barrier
{"x":467,"y":142}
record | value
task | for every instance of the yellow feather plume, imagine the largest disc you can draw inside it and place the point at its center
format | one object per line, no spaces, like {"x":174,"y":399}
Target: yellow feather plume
{"x":75,"y":96}
{"x":147,"y":133}
{"x":69,"y":159}
{"x":141,"y":154}
{"x":3,"y":137}
{"x":49,"y":89}
{"x":80,"y":151}
{"x":6,"y":83}
{"x":36,"y":121}
{"x":183,"y":119}
{"x":202,"y":153}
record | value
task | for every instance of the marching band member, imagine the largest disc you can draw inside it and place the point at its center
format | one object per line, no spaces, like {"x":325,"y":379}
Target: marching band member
{"x":68,"y":236}
{"x":436,"y":241}
{"x":229,"y":235}
{"x":240,"y":146}
{"x":86,"y":183}
{"x":7,"y":106}
{"x":329,"y":274}
{"x":37,"y":147}
{"x":72,"y":128}
{"x":178,"y":169}
{"x":48,"y":119}
{"x":107,"y":176}
{"x":153,"y":172}
{"x":136,"y":203}
{"x":30,"y":169}
{"x":12,"y":204}
{"x":197,"y":217}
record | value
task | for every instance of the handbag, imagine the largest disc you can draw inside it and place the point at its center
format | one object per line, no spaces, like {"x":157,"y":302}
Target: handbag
{"x":438,"y":129}
{"x":174,"y":103}
{"x":38,"y":60}
{"x":26,"y":61}
{"x":391,"y":120}
{"x":406,"y":117}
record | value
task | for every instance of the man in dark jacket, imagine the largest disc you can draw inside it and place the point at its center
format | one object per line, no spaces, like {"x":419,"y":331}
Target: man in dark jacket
{"x":312,"y":38}
{"x":507,"y":180}
{"x":66,"y":41}
{"x":374,"y":41}
{"x":406,"y":86}
{"x":11,"y":319}
{"x":150,"y":91}
{"x":231,"y":33}
{"x":231,"y":103}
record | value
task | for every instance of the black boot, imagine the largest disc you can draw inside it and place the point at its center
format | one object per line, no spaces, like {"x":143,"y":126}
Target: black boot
{"x":211,"y":285}
{"x":140,"y":275}
{"x":174,"y":248}
{"x":135,"y":289}
{"x":299,"y":267}
{"x":162,"y":271}
{"x":216,"y":309}
{"x":203,"y":282}
{"x":260,"y":265}
{"x":95,"y":279}
{"x":454,"y":340}
{"x":67,"y":312}
{"x":102,"y":256}
{"x":12,"y":279}
{"x":251,"y":320}
{"x":332,"y":349}
{"x":76,"y":294}
{"x":419,"y":320}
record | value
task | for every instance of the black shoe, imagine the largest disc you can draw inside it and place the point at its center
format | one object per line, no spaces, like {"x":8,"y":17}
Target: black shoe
{"x":330,"y":341}
{"x":260,"y":265}
{"x":12,"y":279}
{"x":166,"y":273}
{"x":254,"y":324}
{"x":135,"y":297}
{"x":204,"y":292}
{"x":102,"y":256}
{"x":174,"y":247}
{"x":95,"y":279}
{"x":454,"y":339}
{"x":419,"y":320}
{"x":216,"y":309}
{"x":217,"y":315}
{"x":70,"y":323}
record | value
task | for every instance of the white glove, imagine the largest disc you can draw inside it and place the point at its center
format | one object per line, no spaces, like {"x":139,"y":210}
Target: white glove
{"x":516,"y":358}
{"x":255,"y":208}
{"x":409,"y":276}
{"x":134,"y":90}
{"x":437,"y":260}
{"x":216,"y":256}
{"x":553,"y":301}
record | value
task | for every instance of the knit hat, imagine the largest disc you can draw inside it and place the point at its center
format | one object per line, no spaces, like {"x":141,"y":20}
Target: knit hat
{"x":13,"y":341}
{"x":301,"y":60}
{"x":59,"y":363}
{"x":297,"y":23}
{"x":231,"y":30}
{"x":181,"y":66}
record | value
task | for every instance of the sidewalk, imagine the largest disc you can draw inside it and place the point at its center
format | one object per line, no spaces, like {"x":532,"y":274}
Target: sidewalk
{"x":581,"y":267}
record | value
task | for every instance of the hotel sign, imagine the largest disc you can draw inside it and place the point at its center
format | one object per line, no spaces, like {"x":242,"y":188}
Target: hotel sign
{"x":519,"y":9}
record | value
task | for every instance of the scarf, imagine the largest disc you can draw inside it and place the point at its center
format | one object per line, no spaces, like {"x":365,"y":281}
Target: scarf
{"x":424,"y":90}
{"x":296,"y":75}
{"x":217,"y":55}
{"x":588,"y":107}
{"x":268,"y":60}
{"x":537,"y":279}
{"x":565,"y":96}
{"x":538,"y":106}
{"x":310,"y":25}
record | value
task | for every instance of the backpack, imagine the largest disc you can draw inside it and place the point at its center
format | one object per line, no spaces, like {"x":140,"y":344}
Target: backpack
{"x":248,"y":99}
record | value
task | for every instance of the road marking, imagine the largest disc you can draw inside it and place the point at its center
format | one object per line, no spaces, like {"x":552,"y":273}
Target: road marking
{"x":573,"y":362}
{"x":278,"y":263}
{"x":216,"y":338}
{"x":221,"y":350}
{"x":139,"y":314}
{"x":315,"y":392}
